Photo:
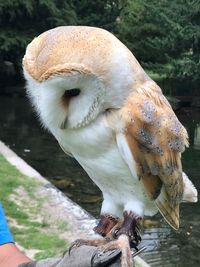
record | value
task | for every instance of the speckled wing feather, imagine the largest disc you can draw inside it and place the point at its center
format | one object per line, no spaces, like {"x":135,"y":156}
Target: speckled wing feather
{"x":156,"y":140}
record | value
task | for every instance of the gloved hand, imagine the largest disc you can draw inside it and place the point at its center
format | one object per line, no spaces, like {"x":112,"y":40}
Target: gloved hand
{"x":84,"y":256}
{"x":5,"y":235}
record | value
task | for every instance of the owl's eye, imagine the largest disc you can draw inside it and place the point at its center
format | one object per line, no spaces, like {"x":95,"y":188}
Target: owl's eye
{"x":68,"y":95}
{"x":71,"y":93}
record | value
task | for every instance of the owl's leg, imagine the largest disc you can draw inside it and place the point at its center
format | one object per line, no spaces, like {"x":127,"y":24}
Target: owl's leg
{"x":106,"y":223}
{"x":129,"y":228}
{"x":127,"y":236}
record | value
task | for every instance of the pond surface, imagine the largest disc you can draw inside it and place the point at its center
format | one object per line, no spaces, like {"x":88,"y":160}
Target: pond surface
{"x":21,"y":131}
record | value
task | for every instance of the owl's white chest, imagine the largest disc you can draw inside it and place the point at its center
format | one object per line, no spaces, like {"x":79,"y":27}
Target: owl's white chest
{"x":95,"y":148}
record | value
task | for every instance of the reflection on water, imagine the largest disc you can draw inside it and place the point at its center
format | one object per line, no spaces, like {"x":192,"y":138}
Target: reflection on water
{"x":197,"y":137}
{"x":21,"y":131}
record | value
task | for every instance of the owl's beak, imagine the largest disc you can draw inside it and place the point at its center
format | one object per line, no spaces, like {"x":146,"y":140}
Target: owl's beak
{"x":63,"y":125}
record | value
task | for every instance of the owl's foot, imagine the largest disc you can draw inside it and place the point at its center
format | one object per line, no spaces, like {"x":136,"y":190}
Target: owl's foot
{"x":106,"y":223}
{"x":124,"y":235}
{"x":88,"y":242}
{"x":129,"y":228}
{"x":122,"y":243}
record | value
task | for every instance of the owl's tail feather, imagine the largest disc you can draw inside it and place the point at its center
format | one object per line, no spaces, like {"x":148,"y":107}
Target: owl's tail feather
{"x":170,"y":213}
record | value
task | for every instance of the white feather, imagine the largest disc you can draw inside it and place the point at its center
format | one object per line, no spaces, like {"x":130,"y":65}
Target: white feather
{"x":190,"y":193}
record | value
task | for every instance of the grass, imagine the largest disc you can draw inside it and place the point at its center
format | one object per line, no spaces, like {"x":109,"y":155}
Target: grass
{"x":23,"y":209}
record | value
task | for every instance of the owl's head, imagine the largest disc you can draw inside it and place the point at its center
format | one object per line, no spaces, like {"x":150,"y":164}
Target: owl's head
{"x":76,"y":73}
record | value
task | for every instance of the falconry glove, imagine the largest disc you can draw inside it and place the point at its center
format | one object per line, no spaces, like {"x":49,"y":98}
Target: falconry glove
{"x":84,"y":256}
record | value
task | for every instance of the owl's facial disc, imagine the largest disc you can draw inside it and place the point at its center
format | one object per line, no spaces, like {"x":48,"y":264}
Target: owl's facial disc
{"x":67,"y":102}
{"x":80,"y":100}
{"x":82,"y":108}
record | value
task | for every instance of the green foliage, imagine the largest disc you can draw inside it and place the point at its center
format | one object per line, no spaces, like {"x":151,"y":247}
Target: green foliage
{"x":164,"y":33}
{"x":98,"y":13}
{"x":22,"y":20}
{"x":186,"y":66}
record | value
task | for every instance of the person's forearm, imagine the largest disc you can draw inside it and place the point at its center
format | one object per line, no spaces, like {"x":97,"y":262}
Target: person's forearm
{"x":11,"y":256}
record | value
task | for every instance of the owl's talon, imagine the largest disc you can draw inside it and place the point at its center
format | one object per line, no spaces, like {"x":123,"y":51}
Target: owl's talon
{"x":95,"y":242}
{"x":101,"y":251}
{"x":129,"y":228}
{"x":122,"y":244}
{"x":77,"y":243}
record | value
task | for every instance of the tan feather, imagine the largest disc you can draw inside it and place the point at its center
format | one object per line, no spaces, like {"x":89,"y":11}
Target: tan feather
{"x":156,"y":139}
{"x":170,"y":213}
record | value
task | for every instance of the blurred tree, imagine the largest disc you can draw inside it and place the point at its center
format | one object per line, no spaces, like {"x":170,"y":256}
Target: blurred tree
{"x":21,"y":20}
{"x":165,"y":36}
{"x":186,"y":66}
{"x":99,"y":13}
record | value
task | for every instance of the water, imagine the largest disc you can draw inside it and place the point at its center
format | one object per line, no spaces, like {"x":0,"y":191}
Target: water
{"x":21,"y":131}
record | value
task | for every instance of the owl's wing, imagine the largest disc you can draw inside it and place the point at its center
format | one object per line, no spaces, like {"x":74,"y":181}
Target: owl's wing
{"x":66,"y":152}
{"x":153,"y":136}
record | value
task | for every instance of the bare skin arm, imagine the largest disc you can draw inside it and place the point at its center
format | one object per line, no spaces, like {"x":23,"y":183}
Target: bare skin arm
{"x":11,"y":256}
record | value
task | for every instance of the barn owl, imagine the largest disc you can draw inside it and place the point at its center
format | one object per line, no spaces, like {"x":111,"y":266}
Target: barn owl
{"x":91,"y":93}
